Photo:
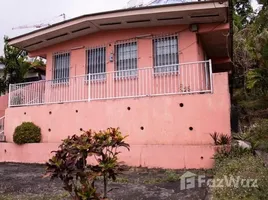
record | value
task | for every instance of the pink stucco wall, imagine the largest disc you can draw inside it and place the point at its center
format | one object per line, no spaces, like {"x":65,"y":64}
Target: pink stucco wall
{"x":166,"y":140}
{"x":3,"y":104}
{"x":190,"y":48}
{"x":152,"y":156}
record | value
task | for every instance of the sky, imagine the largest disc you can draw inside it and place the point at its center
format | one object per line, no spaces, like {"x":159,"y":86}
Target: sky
{"x":14,"y":13}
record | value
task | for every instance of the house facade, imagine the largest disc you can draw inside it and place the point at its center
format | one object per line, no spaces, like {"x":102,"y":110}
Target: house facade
{"x":160,"y":73}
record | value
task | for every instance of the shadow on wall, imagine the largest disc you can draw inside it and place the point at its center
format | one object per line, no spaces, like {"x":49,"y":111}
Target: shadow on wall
{"x":3,"y":104}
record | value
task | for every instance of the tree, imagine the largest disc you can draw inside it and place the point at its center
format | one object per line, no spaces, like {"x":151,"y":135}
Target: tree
{"x":250,"y":46}
{"x":243,"y":16}
{"x":257,"y":78}
{"x":243,"y":13}
{"x":16,"y":65}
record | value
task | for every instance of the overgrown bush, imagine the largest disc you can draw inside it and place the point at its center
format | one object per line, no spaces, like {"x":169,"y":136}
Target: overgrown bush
{"x":258,"y":135}
{"x":230,"y":152}
{"x":244,"y":166}
{"x":27,"y":132}
{"x":71,"y":165}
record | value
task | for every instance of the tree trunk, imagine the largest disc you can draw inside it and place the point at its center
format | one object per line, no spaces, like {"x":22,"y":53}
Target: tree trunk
{"x":105,"y":186}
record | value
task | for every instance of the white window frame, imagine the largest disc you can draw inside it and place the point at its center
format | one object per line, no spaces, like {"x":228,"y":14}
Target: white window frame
{"x":96,"y":63}
{"x":166,"y":54}
{"x":126,"y":59}
{"x":61,"y":67}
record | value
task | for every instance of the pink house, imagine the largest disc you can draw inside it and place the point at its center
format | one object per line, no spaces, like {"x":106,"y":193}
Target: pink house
{"x":160,"y":73}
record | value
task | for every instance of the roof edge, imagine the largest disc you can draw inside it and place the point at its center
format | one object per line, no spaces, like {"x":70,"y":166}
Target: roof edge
{"x":111,"y":12}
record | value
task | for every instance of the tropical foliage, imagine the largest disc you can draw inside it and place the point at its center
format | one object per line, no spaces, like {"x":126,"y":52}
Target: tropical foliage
{"x":243,"y":13}
{"x":250,"y":89}
{"x":16,"y":64}
{"x":72,"y":163}
{"x":221,"y":139}
{"x":257,"y":135}
{"x":250,"y":74}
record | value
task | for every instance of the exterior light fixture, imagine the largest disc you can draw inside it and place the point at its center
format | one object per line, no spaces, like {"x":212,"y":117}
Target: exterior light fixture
{"x":194,"y":27}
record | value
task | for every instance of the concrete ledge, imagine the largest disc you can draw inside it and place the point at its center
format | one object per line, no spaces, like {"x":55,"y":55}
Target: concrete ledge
{"x":28,"y":153}
{"x":152,"y":156}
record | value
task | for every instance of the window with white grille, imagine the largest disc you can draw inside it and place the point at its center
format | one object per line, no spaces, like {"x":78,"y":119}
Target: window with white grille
{"x":96,"y":63}
{"x":166,"y":58}
{"x":61,"y":67}
{"x":126,"y":59}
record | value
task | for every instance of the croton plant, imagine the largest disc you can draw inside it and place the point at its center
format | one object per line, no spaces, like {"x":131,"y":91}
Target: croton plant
{"x":70,"y":162}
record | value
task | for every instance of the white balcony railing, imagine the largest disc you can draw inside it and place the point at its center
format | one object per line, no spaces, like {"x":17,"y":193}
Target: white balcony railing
{"x":186,"y":78}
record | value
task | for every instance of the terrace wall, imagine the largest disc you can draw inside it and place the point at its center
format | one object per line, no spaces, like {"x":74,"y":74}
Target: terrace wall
{"x":164,"y":131}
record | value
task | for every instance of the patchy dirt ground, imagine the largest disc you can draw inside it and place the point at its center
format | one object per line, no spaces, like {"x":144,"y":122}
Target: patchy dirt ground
{"x":25,"y":182}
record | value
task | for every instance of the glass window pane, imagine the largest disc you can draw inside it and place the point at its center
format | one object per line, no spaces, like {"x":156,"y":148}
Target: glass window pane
{"x":166,"y":54}
{"x":96,"y":65}
{"x":61,"y":67}
{"x":126,"y":59}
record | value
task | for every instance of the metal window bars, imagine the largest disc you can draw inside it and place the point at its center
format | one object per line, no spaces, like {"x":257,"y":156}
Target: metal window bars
{"x":96,"y":63}
{"x":191,"y":78}
{"x":166,"y":57}
{"x":126,"y":59}
{"x":61,"y":67}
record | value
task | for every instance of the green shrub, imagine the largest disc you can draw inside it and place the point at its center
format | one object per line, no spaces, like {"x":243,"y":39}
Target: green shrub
{"x":27,"y":132}
{"x":258,"y":135}
{"x":229,"y":152}
{"x":171,"y":176}
{"x":243,"y":167}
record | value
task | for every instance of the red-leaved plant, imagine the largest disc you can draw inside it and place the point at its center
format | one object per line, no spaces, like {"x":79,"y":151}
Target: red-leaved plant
{"x":78,"y":176}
